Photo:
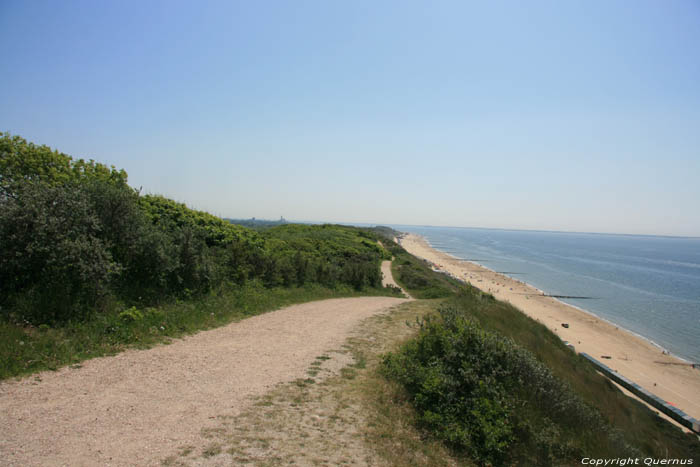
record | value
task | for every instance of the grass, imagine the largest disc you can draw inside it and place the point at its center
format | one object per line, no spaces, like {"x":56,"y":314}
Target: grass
{"x":491,"y":400}
{"x":320,"y":412}
{"x":415,"y":276}
{"x":28,"y":349}
{"x":390,"y":428}
{"x":640,"y":426}
{"x":348,"y":416}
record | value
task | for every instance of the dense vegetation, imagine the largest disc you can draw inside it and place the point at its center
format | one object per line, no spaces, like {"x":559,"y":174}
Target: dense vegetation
{"x":78,"y":245}
{"x":500,"y":388}
{"x":415,"y":275}
{"x":74,"y":236}
{"x":487,"y":396}
{"x":258,"y":224}
{"x":89,"y":266}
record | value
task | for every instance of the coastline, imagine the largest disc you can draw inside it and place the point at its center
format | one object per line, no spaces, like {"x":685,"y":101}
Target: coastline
{"x":588,"y":312}
{"x":631,"y":355}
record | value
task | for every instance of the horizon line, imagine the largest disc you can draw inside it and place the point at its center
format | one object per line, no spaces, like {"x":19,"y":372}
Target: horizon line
{"x":377,"y":224}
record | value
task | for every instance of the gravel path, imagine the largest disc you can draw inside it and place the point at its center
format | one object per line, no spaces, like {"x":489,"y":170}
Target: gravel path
{"x":137,"y":407}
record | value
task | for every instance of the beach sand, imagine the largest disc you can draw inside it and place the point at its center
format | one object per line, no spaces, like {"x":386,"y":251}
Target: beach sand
{"x":633,"y":357}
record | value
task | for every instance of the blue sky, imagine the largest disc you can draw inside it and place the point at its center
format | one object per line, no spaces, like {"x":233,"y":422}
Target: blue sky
{"x":557,"y":115}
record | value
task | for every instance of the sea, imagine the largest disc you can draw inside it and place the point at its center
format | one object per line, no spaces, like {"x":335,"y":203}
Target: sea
{"x":649,"y":285}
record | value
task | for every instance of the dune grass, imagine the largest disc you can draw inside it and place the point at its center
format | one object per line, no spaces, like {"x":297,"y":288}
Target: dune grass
{"x":638,"y":427}
{"x":416,"y":276}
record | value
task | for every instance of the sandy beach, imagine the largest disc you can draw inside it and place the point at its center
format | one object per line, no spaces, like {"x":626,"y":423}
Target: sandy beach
{"x":631,"y":356}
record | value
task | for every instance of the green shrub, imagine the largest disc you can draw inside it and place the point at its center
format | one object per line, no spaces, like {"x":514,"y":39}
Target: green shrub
{"x":54,"y":265}
{"x":416,"y":277}
{"x":24,"y":164}
{"x":487,"y":397}
{"x":131,"y":315}
{"x":74,"y":236}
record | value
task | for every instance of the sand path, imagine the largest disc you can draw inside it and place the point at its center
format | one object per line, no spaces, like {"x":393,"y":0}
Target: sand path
{"x":631,"y":356}
{"x":136,"y":408}
{"x":388,"y":278}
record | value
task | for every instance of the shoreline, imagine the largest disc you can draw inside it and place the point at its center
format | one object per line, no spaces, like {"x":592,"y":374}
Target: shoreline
{"x":583,"y":310}
{"x":631,"y":355}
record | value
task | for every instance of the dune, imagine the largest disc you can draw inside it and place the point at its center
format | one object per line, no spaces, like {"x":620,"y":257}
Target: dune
{"x":664,"y":375}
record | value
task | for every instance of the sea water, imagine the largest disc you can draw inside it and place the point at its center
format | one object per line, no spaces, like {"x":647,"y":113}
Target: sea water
{"x":647,"y":284}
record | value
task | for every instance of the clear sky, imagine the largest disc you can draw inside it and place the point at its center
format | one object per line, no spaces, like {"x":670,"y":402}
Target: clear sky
{"x":557,"y":115}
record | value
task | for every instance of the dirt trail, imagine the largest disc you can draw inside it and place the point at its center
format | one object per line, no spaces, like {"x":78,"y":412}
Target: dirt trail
{"x":136,"y":407}
{"x":388,"y":278}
